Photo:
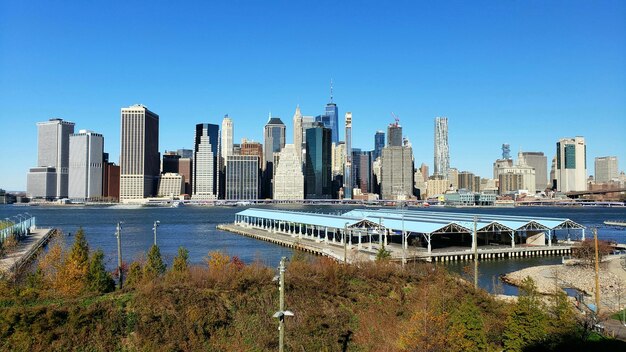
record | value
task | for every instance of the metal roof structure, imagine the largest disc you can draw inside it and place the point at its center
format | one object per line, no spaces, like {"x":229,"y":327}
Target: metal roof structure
{"x":422,"y":222}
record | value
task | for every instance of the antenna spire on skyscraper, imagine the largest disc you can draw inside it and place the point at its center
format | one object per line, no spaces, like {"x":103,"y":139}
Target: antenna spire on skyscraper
{"x":331,"y":90}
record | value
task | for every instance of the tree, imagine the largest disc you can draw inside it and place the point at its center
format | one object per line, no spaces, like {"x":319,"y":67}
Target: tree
{"x":527,"y":324}
{"x":467,"y":328}
{"x":135,"y":275}
{"x":73,"y":273}
{"x":154,"y":266}
{"x":98,"y":279}
{"x":180,"y":264}
{"x":586,"y":251}
{"x":383,"y":254}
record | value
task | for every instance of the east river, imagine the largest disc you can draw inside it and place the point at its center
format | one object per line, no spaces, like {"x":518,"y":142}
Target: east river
{"x":193,"y":227}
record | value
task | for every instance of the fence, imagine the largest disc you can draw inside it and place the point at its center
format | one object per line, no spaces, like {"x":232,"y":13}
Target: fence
{"x":20,"y":228}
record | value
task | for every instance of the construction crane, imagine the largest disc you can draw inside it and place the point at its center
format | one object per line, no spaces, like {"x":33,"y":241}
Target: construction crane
{"x":396,"y":118}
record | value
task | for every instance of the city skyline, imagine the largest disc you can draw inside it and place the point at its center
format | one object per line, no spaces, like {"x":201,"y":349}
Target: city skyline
{"x":525,"y":80}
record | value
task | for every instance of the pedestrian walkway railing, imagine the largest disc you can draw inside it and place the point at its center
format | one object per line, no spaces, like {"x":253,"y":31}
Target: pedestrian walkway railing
{"x":18,"y":226}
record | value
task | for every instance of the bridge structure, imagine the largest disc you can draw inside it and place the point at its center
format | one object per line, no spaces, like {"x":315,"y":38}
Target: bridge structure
{"x":576,"y":194}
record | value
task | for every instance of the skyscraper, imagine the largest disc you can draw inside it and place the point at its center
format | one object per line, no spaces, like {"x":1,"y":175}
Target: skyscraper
{"x":379,"y":144}
{"x":442,"y":151}
{"x":318,"y":175}
{"x":539,"y":162}
{"x":297,"y":131}
{"x":53,"y":152}
{"x":362,"y":176}
{"x":394,"y":135}
{"x":274,"y":142}
{"x":205,"y":162}
{"x":86,"y":165}
{"x":242,"y":177}
{"x":397,"y":173}
{"x":139,"y":153}
{"x":606,"y":169}
{"x":289,"y":179}
{"x":571,"y":164}
{"x":227,"y":138}
{"x":347,"y":175}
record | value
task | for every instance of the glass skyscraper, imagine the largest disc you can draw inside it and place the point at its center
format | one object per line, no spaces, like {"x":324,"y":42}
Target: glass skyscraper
{"x":318,"y":175}
{"x":379,"y":144}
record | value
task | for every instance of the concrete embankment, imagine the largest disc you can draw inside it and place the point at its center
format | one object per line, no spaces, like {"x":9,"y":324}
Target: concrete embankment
{"x":27,"y":248}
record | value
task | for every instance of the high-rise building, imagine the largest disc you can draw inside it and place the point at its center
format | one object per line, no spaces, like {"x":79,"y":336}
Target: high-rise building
{"x":227,"y":138}
{"x":53,"y":152}
{"x":185,"y":153}
{"x":436,"y":185}
{"x":506,"y":151}
{"x":539,"y":162}
{"x":274,"y":142}
{"x":420,"y":183}
{"x":297,"y":132}
{"x":86,"y":165}
{"x":571,"y":164}
{"x":289,"y":179}
{"x":111,"y":182}
{"x":424,"y":171}
{"x":139,"y":153}
{"x":248,"y":147}
{"x":206,"y":162}
{"x":173,"y":162}
{"x":397,"y":173}
{"x":242,"y":177}
{"x":606,"y":169}
{"x":362,"y":176}
{"x":510,"y":182}
{"x":394,"y":135}
{"x":466,"y":181}
{"x":171,"y":185}
{"x":442,"y":151}
{"x":379,"y":144}
{"x":527,"y":172}
{"x":453,"y":177}
{"x":501,"y":164}
{"x":330,"y":118}
{"x":318,"y":176}
{"x":338,"y":158}
{"x":347,"y":175}
{"x":170,"y":162}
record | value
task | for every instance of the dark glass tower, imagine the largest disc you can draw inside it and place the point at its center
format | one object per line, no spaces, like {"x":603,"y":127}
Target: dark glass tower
{"x":318,"y":173}
{"x":379,"y":144}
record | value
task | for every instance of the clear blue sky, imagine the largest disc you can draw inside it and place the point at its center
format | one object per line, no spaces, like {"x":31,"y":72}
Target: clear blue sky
{"x":520,"y":72}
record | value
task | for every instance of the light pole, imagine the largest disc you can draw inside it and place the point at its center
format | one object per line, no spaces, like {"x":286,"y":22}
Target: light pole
{"x":345,"y":243}
{"x":282,"y":313}
{"x":118,"y":234}
{"x":154,"y":228}
{"x":475,"y":244}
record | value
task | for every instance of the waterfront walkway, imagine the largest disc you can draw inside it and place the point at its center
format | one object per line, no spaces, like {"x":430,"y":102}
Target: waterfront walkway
{"x":26,"y":248}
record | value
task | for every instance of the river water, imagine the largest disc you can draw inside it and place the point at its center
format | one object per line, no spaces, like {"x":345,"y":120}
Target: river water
{"x":194,"y":228}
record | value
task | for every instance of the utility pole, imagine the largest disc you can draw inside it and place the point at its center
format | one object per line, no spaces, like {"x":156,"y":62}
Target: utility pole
{"x":118,"y":234}
{"x":345,"y":244}
{"x":475,"y":244}
{"x":156,"y":224}
{"x":282,"y":313}
{"x":595,"y":239}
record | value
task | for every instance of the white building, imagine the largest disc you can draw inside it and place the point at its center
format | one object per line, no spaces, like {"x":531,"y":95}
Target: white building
{"x":606,"y":169}
{"x":397,"y":173}
{"x":227,"y":137}
{"x":242,"y":177}
{"x":442,"y":149}
{"x":86,"y":165}
{"x":338,"y":158}
{"x":171,"y":185}
{"x":289,"y":179}
{"x":297,"y":132}
{"x":571,"y":164}
{"x":206,"y":162}
{"x":437,"y":186}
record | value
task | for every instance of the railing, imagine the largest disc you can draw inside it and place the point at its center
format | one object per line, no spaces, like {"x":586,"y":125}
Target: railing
{"x":18,"y":228}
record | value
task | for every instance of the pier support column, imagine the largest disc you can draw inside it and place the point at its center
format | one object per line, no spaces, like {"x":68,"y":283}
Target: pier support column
{"x":359,"y":245}
{"x":317,"y":235}
{"x":325,"y":234}
{"x":386,"y":235}
{"x":550,"y":233}
{"x":427,"y":236}
{"x":350,"y":238}
{"x":583,"y":236}
{"x":512,"y":239}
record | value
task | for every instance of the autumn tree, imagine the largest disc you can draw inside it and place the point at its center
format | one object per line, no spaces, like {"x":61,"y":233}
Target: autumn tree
{"x":527,"y":324}
{"x":73,"y":274}
{"x":135,"y":275}
{"x":154,"y":266}
{"x":586,"y":251}
{"x":98,"y":279}
{"x":180,"y":264}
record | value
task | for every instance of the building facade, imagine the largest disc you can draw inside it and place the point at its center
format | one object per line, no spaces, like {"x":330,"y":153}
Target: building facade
{"x":289,"y":179}
{"x":274,"y":142}
{"x":86,"y":166}
{"x":348,"y":182}
{"x":206,"y":162}
{"x":242,"y":177}
{"x":171,"y":185}
{"x":318,"y":175}
{"x":379,"y":144}
{"x":227,"y":137}
{"x":539,"y":162}
{"x":297,"y":132}
{"x":571,"y":164}
{"x":442,"y":150}
{"x":394,"y":135}
{"x":362,"y":175}
{"x":397,"y":173}
{"x":139,"y":153}
{"x":606,"y":169}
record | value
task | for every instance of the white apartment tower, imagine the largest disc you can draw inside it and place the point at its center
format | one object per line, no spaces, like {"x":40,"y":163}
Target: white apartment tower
{"x":297,"y":131}
{"x":289,"y":179}
{"x":606,"y":169}
{"x":86,"y":165}
{"x":139,"y":153}
{"x":442,"y":151}
{"x":571,"y":164}
{"x":227,"y":138}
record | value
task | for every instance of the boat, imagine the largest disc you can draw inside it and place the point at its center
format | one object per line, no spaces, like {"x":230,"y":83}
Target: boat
{"x":620,"y":223}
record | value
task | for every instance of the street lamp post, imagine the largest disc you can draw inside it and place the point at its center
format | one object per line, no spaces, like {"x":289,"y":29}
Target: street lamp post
{"x":118,"y":234}
{"x":475,"y":244}
{"x":282,"y":313}
{"x":345,"y":243}
{"x":154,"y":228}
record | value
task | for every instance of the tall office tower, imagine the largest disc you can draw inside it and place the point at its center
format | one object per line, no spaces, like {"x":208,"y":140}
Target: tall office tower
{"x":424,"y":171}
{"x":397,"y":173}
{"x":362,"y":176}
{"x":606,"y":169}
{"x":466,"y":181}
{"x":420,"y":183}
{"x":347,"y":177}
{"x":139,"y":153}
{"x":510,"y":182}
{"x":476,"y":187}
{"x":242,"y":177}
{"x":53,"y":152}
{"x":394,"y":135}
{"x":171,"y":162}
{"x":442,"y":151}
{"x":500,"y":164}
{"x":571,"y":164}
{"x":297,"y":131}
{"x":338,"y":158}
{"x":227,"y":138}
{"x":376,"y":175}
{"x":185,"y":169}
{"x":539,"y":162}
{"x":379,"y":144}
{"x":111,"y":182}
{"x":185,"y":153}
{"x":453,"y":177}
{"x":506,"y":151}
{"x":206,"y":162}
{"x":330,"y":118}
{"x":318,"y":176}
{"x":274,"y":142}
{"x":251,"y":148}
{"x":289,"y":179}
{"x":86,"y":165}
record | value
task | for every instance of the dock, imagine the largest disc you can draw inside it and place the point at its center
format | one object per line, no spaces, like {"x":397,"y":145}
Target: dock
{"x":26,"y":249}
